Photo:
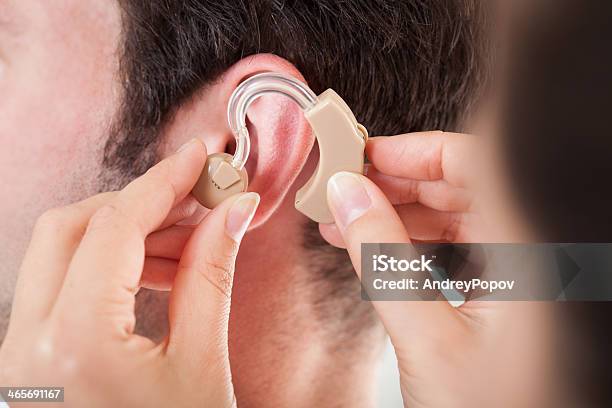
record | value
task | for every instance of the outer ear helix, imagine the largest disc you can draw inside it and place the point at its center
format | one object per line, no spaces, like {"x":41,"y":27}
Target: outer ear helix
{"x":341,"y":144}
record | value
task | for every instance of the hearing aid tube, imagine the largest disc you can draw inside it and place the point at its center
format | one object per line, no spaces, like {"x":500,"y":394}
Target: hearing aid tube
{"x":340,"y":138}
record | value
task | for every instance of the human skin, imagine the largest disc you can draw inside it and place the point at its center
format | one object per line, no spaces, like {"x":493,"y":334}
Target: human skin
{"x":60,"y":95}
{"x":105,"y":363}
{"x":67,"y":264}
{"x":429,"y":186}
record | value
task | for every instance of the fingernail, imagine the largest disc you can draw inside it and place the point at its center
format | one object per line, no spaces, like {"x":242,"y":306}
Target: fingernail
{"x":348,"y":197}
{"x":187,"y":145}
{"x":240,"y":215}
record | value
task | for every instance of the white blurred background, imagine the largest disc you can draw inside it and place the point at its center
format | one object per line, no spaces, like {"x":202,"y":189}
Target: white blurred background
{"x":389,"y":395}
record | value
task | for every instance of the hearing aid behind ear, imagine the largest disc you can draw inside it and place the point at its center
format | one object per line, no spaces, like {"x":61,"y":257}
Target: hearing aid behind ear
{"x":341,"y":144}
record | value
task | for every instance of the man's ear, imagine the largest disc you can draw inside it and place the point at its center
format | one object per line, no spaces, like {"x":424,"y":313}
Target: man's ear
{"x":281,"y":139}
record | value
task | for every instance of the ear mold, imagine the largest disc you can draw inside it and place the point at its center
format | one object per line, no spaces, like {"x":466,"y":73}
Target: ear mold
{"x":219,"y":180}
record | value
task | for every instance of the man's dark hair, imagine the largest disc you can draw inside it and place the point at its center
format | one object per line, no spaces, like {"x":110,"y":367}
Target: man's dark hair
{"x":402,"y":65}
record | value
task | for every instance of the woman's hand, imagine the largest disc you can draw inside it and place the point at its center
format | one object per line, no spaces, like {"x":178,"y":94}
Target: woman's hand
{"x":485,"y":353}
{"x":72,"y":323}
{"x":428,"y":177}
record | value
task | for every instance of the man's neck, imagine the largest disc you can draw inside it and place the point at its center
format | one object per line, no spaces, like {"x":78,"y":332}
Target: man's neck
{"x":282,"y":352}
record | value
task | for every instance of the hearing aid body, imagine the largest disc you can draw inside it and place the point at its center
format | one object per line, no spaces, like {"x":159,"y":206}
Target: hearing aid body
{"x":341,"y":144}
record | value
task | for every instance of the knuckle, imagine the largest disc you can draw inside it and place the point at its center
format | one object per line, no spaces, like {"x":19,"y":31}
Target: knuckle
{"x":160,"y":173}
{"x":435,"y":169}
{"x":218,"y":269}
{"x":66,"y":353}
{"x":411,"y":192}
{"x":160,"y":176}
{"x":400,"y":157}
{"x":161,"y":169}
{"x":104,"y":216}
{"x":453,"y":229}
{"x":54,"y":219}
{"x":110,"y":217}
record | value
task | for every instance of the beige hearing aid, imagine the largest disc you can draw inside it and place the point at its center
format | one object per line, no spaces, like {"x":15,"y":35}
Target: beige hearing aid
{"x":341,"y":144}
{"x":219,"y":180}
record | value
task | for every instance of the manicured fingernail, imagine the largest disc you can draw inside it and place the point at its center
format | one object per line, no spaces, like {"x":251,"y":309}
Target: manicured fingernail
{"x":240,"y":215}
{"x":348,"y":197}
{"x":187,"y":145}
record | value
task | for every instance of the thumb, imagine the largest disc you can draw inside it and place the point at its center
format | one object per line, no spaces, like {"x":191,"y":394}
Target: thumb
{"x":364,"y":215}
{"x":201,"y":296}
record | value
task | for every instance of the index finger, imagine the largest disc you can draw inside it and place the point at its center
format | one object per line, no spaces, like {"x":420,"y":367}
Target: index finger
{"x":147,"y":200}
{"x":106,"y":267}
{"x":423,"y":156}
